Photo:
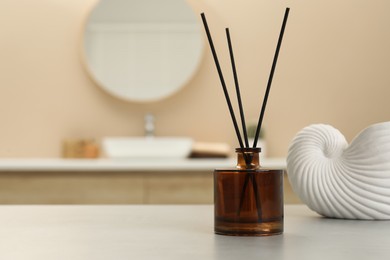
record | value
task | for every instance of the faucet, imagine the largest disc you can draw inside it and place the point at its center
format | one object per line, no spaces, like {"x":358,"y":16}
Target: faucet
{"x":149,"y":125}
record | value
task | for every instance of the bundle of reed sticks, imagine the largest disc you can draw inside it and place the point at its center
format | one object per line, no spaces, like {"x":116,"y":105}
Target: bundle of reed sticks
{"x":238,"y":94}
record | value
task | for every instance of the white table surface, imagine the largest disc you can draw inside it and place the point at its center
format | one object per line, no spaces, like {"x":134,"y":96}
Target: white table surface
{"x":158,"y":165}
{"x":178,"y":232}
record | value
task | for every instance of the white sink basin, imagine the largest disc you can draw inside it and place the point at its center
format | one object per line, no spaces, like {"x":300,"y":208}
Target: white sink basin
{"x":147,"y":147}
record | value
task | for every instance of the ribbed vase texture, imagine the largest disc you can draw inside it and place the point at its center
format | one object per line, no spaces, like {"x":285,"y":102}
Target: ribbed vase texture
{"x":339,"y":180}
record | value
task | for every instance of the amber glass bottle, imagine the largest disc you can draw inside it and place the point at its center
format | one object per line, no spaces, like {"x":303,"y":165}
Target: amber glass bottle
{"x":248,"y":199}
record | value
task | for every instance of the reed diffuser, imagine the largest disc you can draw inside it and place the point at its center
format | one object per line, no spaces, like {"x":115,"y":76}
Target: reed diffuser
{"x":248,"y":199}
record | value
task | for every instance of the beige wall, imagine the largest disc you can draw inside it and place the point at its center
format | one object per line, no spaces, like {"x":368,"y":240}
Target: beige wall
{"x":333,"y":68}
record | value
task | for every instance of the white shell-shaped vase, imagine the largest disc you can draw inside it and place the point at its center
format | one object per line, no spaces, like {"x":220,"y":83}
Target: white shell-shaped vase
{"x":339,"y":180}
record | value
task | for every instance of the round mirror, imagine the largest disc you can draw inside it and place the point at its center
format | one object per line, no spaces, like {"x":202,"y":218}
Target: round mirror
{"x":142,"y":50}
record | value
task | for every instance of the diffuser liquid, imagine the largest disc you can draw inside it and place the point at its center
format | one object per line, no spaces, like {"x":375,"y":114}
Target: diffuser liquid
{"x":248,"y":202}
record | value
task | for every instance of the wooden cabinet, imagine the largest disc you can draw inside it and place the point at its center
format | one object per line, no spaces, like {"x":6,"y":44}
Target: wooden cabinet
{"x":71,"y":188}
{"x":111,"y":188}
{"x":188,"y":188}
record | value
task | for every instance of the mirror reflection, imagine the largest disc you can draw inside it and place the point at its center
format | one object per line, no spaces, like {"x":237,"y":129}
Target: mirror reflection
{"x":142,"y":50}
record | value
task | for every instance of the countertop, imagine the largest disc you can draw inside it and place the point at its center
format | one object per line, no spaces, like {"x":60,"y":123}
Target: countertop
{"x":178,"y":232}
{"x":160,"y":165}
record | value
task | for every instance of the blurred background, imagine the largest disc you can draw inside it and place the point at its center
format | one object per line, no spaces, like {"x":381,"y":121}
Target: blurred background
{"x":333,"y":68}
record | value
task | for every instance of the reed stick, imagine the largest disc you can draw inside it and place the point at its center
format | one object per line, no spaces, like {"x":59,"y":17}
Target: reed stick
{"x":249,"y":176}
{"x":257,"y":198}
{"x":237,"y":88}
{"x":259,"y":123}
{"x":220,"y":74}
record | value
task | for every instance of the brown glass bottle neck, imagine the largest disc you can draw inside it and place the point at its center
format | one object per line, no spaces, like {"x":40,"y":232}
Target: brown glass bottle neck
{"x":248,"y":158}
